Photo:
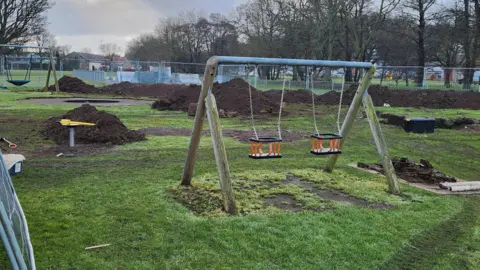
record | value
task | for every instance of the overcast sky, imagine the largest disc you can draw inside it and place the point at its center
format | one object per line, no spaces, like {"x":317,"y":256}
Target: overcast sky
{"x":87,"y":23}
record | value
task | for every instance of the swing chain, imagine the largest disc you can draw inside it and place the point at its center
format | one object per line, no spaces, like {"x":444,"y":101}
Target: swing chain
{"x":313,"y":102}
{"x":340,"y":104}
{"x":281,"y":105}
{"x":251,"y":102}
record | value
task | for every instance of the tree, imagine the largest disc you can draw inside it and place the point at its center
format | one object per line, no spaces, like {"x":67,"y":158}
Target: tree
{"x":418,"y":13}
{"x":20,"y":20}
{"x":45,"y":39}
{"x":87,"y":50}
{"x":110,"y":50}
{"x":64,"y":50}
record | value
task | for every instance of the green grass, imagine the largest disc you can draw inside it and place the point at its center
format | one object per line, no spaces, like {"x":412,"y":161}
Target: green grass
{"x":123,"y":197}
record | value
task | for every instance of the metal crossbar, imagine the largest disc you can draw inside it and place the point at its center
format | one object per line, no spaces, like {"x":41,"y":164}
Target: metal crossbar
{"x":291,"y":62}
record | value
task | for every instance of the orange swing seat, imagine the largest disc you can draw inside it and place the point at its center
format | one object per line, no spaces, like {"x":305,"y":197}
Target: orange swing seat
{"x":256,"y":148}
{"x":334,"y":146}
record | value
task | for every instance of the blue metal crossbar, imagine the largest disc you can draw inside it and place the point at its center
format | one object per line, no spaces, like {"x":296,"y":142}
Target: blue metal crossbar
{"x":290,"y":62}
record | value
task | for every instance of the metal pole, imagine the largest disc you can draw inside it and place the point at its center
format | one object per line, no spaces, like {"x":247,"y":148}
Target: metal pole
{"x":11,"y":235}
{"x":351,"y":114}
{"x":71,"y":136}
{"x":8,"y":248}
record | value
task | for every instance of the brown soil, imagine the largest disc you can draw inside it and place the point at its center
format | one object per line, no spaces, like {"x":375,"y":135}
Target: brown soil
{"x":458,"y":123}
{"x":108,"y":128}
{"x":233,"y":96}
{"x":239,"y":135}
{"x":412,"y":172}
{"x":435,"y":99}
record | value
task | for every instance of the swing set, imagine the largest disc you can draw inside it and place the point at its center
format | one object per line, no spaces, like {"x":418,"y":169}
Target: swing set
{"x":207,"y":105}
{"x":26,"y":80}
{"x":274,"y":143}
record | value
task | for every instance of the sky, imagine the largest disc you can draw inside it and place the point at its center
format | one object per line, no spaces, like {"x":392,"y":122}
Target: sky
{"x":88,"y":23}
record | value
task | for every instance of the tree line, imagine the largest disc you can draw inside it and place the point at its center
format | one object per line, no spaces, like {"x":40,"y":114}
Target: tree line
{"x":391,"y":32}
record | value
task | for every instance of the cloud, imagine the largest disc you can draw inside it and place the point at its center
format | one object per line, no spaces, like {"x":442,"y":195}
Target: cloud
{"x":87,"y":23}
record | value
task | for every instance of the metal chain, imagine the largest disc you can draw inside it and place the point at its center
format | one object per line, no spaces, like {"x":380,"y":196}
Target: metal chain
{"x":281,"y":106}
{"x":340,"y":104}
{"x":313,"y":104}
{"x":251,"y":103}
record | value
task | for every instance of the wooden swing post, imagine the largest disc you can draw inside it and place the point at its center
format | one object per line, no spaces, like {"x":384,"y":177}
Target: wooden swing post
{"x":208,"y":79}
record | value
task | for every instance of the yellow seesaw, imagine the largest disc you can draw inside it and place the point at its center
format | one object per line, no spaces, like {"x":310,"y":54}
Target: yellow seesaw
{"x":71,"y":128}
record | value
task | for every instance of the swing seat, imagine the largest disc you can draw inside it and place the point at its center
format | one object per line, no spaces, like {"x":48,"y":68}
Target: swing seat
{"x":256,"y":148}
{"x":18,"y":82}
{"x":334,"y":144}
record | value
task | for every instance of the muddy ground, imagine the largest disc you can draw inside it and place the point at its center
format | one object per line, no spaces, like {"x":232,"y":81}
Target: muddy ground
{"x":413,"y":172}
{"x":239,"y":135}
{"x":233,"y":96}
{"x":458,"y":123}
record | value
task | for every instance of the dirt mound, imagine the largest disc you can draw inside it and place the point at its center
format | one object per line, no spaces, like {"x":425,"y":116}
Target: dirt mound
{"x":108,"y":129}
{"x":408,"y":170}
{"x":231,"y":96}
{"x":74,"y":85}
{"x":435,"y":99}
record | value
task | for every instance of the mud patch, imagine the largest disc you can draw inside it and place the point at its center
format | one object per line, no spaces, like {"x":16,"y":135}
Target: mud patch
{"x":108,"y":129}
{"x":285,"y":202}
{"x":458,"y":123}
{"x":78,"y":101}
{"x":239,"y":135}
{"x":412,"y":172}
{"x":197,"y":200}
{"x":334,"y":195}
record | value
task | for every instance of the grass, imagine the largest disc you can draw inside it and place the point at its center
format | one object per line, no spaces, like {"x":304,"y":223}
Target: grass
{"x":123,"y":197}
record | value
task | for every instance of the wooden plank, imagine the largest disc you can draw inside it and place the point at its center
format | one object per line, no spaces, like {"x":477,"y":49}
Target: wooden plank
{"x":351,"y":115}
{"x":220,"y":154}
{"x":381,"y":144}
{"x":99,"y":246}
{"x":208,"y":79}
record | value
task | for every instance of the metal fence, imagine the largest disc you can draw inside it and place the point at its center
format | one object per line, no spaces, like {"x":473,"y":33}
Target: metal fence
{"x":428,"y":78}
{"x":101,"y":72}
{"x":14,"y":230}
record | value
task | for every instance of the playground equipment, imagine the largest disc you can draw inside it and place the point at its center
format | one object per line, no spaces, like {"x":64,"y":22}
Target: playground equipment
{"x":256,"y":143}
{"x":72,"y":125}
{"x":318,"y":138}
{"x":27,"y":74}
{"x":207,"y":104}
{"x":51,"y":66}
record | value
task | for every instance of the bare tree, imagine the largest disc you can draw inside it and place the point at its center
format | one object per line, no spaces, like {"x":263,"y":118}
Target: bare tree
{"x":20,"y":20}
{"x":110,"y":50}
{"x":45,"y":39}
{"x":87,"y":50}
{"x":418,"y":11}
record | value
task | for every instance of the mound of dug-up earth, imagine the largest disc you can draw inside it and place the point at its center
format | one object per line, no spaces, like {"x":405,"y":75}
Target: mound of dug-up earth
{"x":232,"y":96}
{"x":74,"y":85}
{"x":108,"y":128}
{"x":412,"y":172}
{"x":435,"y":99}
